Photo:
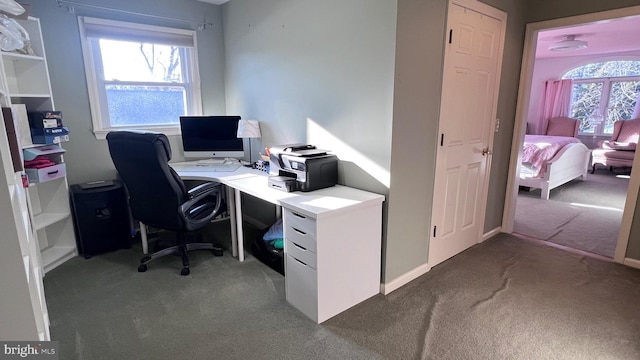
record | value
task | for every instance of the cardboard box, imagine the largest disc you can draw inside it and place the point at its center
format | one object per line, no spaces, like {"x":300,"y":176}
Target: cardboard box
{"x":45,"y":119}
{"x":50,"y":136}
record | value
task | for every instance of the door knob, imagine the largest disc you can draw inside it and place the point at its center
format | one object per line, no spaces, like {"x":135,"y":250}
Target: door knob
{"x":486,"y":151}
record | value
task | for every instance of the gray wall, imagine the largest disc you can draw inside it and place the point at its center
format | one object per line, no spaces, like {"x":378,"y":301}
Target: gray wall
{"x":87,"y":158}
{"x":418,"y":84}
{"x":318,"y":72}
{"x":290,"y":61}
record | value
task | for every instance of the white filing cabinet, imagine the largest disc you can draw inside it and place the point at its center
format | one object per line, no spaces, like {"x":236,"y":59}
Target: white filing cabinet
{"x":332,"y":252}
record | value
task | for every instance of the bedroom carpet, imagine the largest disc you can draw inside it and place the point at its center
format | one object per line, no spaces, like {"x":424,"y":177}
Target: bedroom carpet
{"x":506,"y":298}
{"x":583,"y":215}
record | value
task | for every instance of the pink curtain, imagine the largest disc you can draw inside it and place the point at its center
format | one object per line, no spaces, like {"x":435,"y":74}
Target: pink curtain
{"x":556,"y":102}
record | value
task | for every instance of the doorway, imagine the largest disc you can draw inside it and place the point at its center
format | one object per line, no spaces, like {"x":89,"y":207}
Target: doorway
{"x":525,"y":105}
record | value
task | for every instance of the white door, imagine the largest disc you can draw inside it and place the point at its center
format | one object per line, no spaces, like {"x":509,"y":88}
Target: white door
{"x":472,"y":62}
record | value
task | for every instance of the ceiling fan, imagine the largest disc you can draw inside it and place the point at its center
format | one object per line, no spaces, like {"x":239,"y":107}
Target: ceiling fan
{"x":568,"y":42}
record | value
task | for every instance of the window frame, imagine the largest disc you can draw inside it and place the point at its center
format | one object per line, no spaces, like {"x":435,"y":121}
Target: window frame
{"x":605,"y":96}
{"x":96,"y":84}
{"x":605,"y":99}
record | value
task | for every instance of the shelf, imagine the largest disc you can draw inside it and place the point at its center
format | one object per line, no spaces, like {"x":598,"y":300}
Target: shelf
{"x":41,"y":221}
{"x":35,"y":150}
{"x":21,"y":57}
{"x":36,"y":96}
{"x":56,"y":255}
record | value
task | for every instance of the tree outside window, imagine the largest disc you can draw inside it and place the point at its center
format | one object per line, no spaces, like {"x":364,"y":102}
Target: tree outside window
{"x":143,"y":83}
{"x":609,"y":89}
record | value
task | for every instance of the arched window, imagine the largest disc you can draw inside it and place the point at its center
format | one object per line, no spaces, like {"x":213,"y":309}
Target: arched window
{"x":603,"y":93}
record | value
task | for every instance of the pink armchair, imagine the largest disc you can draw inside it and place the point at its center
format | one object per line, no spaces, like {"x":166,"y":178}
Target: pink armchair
{"x":621,"y":149}
{"x":563,"y":126}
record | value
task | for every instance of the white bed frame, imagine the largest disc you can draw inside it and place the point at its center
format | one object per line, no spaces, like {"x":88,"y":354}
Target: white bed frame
{"x":571,"y":162}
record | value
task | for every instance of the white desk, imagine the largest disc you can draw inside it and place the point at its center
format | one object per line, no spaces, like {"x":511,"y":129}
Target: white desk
{"x":332,"y":238}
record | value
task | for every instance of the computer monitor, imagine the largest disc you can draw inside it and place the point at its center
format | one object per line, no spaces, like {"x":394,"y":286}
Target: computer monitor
{"x":211,"y":137}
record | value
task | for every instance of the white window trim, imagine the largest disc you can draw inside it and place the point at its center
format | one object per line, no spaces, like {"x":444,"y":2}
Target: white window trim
{"x":99,"y":129}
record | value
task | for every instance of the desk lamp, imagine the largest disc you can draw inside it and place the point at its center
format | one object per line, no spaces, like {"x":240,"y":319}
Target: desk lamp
{"x":248,"y":129}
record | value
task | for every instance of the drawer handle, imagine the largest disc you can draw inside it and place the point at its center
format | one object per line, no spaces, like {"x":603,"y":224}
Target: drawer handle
{"x":300,"y":262}
{"x":299,"y":247}
{"x":298,"y":215}
{"x":52,"y":172}
{"x":299,"y":231}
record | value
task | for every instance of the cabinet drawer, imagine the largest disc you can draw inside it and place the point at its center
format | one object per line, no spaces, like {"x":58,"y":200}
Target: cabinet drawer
{"x":306,"y":240}
{"x":302,"y":223}
{"x":301,"y":287}
{"x":46,"y":174}
{"x":299,"y":252}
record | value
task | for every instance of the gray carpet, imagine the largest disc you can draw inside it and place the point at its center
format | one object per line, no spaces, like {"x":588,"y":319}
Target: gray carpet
{"x":584,"y":215}
{"x":504,"y":299}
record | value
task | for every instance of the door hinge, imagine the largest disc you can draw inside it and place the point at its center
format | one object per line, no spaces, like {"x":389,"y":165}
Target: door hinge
{"x":450,"y":36}
{"x":434,"y":231}
{"x":442,"y":139}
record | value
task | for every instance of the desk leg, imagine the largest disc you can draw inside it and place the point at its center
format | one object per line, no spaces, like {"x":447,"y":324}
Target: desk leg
{"x":143,"y":237}
{"x":239,"y":225}
{"x":232,"y":215}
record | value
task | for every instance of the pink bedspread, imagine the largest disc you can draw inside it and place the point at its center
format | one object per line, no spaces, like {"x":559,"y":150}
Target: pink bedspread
{"x":538,"y":149}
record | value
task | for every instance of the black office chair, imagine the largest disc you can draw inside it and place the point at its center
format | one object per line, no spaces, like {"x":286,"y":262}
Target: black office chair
{"x":157,"y":195}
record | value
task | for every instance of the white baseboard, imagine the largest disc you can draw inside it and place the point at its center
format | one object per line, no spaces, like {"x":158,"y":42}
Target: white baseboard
{"x":492,"y":233}
{"x":404,"y":279}
{"x":634,"y":263}
{"x":387,"y":288}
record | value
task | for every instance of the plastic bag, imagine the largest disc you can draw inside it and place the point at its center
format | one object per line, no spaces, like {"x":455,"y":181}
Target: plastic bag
{"x":11,"y":7}
{"x":12,"y":35}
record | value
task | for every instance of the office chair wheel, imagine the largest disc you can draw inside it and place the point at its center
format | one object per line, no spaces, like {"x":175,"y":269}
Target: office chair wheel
{"x":185,"y":271}
{"x":217,"y":252}
{"x":142,"y":268}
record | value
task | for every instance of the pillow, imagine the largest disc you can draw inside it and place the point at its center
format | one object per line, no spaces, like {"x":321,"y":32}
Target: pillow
{"x":614,"y":145}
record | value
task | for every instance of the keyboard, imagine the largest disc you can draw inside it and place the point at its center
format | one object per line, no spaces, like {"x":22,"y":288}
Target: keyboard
{"x":194,"y":166}
{"x":211,"y":161}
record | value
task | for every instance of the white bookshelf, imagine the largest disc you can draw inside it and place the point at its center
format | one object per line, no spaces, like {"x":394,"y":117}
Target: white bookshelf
{"x":36,"y":220}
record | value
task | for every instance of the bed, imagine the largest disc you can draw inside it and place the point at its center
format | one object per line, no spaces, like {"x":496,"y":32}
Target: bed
{"x":550,"y":161}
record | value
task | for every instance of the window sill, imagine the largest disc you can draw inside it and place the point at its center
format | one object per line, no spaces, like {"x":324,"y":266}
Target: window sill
{"x":101,"y":134}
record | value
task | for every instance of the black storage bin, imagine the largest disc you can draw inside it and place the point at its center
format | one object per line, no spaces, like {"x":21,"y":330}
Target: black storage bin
{"x":100,"y":217}
{"x":267,"y":254}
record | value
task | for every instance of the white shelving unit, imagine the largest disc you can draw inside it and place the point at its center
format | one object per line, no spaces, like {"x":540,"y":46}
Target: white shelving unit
{"x":36,"y":221}
{"x":23,"y":314}
{"x":26,"y":81}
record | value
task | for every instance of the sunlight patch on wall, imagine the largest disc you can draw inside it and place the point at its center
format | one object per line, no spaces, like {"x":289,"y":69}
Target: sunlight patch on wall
{"x":319,"y":136}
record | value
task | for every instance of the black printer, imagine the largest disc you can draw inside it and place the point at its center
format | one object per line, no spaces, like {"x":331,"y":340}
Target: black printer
{"x":301,"y":167}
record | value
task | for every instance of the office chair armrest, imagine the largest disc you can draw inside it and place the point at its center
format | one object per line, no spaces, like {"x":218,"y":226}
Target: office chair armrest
{"x":193,"y":210}
{"x":203,"y":188}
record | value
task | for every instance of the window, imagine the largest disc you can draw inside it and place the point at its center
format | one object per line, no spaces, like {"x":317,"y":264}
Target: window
{"x":139,"y":76}
{"x":604,"y":93}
